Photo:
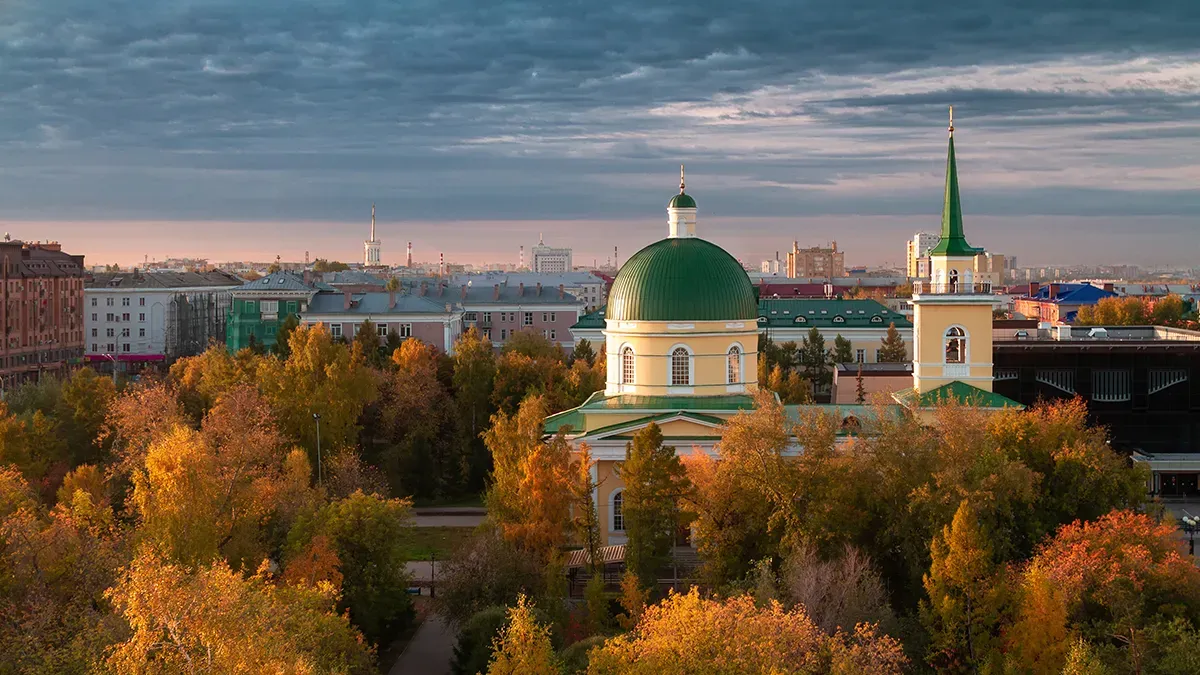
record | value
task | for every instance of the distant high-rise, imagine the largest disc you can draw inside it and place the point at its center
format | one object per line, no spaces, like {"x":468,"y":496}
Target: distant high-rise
{"x":547,"y":260}
{"x":371,"y":247}
{"x":917,"y":254}
{"x":409,"y":260}
{"x":815,"y":262}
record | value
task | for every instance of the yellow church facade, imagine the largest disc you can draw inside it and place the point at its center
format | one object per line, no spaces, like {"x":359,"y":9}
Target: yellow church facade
{"x":681,"y":339}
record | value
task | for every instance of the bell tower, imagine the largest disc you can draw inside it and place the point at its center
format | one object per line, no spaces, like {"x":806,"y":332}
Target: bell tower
{"x":952,"y":313}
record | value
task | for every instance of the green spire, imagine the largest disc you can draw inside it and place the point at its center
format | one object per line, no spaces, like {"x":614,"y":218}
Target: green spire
{"x":954,"y":242}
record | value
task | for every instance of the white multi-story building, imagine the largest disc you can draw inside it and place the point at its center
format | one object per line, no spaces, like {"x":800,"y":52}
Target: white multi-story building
{"x":918,"y":254}
{"x":547,"y":260}
{"x":140,"y":317}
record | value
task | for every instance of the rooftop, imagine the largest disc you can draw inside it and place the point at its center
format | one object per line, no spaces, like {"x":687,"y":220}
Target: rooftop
{"x":1074,"y":294}
{"x":823,"y":313}
{"x":163,"y":280}
{"x":373,"y":303}
{"x":1098,"y":336}
{"x":954,"y":392}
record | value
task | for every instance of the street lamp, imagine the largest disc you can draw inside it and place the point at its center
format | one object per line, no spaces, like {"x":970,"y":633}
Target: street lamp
{"x":1190,"y":524}
{"x":317,"y":417}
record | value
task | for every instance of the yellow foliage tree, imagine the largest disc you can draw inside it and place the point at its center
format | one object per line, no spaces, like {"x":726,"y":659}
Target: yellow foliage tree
{"x":214,"y":619}
{"x":691,"y":634}
{"x":1039,"y":640}
{"x":523,"y":647}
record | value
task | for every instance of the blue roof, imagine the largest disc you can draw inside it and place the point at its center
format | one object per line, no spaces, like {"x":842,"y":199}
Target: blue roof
{"x":277,"y":281}
{"x":1073,"y":294}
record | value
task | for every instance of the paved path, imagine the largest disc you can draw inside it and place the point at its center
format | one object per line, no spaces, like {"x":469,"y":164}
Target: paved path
{"x":449,"y":516}
{"x":420,"y":569}
{"x":429,"y":652}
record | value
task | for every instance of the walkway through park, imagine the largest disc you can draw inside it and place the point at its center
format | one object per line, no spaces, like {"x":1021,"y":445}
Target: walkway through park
{"x":429,"y":652}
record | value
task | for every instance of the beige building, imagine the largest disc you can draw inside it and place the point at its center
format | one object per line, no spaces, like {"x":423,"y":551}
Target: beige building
{"x":917,"y":254}
{"x":992,"y":268}
{"x":815,"y":262}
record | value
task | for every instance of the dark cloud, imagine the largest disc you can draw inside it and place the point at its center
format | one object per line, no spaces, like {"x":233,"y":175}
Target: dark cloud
{"x":462,"y":109}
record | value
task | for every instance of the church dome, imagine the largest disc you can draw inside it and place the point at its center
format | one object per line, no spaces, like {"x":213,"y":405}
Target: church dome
{"x":682,"y":201}
{"x":682,"y":279}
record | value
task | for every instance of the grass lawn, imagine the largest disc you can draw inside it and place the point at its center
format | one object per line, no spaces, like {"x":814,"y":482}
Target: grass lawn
{"x":441,"y":541}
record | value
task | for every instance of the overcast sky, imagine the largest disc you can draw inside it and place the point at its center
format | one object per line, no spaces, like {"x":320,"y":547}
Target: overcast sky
{"x":250,"y":128}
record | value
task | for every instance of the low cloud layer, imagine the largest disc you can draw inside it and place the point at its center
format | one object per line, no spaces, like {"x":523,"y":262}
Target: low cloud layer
{"x":277,"y":112}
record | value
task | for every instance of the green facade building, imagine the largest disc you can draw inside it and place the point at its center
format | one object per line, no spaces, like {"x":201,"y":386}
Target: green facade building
{"x":261,"y":306}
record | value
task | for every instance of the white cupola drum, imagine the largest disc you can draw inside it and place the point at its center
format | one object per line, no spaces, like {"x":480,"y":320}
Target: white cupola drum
{"x":681,"y":213}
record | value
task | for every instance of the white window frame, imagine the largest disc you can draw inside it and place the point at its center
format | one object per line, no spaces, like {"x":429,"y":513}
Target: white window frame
{"x":672,"y":387}
{"x":405,"y":330}
{"x":734,"y":372}
{"x":964,"y":349}
{"x":142,"y":317}
{"x":335,"y":330}
{"x":628,"y":372}
{"x":269,"y":306}
{"x":612,"y":511}
{"x":381,"y":330}
{"x":860,"y":356}
{"x":527,"y":320}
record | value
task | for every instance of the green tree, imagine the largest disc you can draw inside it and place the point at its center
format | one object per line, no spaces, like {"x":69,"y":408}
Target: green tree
{"x":368,"y":534}
{"x":842,"y":351}
{"x":85,"y":401}
{"x":815,"y":359}
{"x":284,"y":335}
{"x":474,"y":378}
{"x":534,"y":345}
{"x":583,"y":352}
{"x":966,"y":597}
{"x":655,"y":480}
{"x":893,"y":346}
{"x":860,"y":389}
{"x":367,"y":339}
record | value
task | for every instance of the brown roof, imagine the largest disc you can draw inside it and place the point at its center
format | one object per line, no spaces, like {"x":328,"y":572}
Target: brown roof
{"x":608,"y":554}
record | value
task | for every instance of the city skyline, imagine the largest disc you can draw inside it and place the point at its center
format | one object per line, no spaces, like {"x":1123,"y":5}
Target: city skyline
{"x":136,"y":131}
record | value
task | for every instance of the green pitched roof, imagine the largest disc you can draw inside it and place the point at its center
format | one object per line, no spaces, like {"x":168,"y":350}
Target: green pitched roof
{"x":593,"y":320}
{"x":954,"y":392}
{"x":822,"y":313}
{"x":682,"y":201}
{"x":694,"y":406}
{"x":682,"y":279}
{"x":953,"y":242}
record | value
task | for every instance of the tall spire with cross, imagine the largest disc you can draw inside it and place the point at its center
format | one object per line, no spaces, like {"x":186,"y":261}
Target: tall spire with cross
{"x":681,"y":183}
{"x":954,"y":240}
{"x":372,"y":221}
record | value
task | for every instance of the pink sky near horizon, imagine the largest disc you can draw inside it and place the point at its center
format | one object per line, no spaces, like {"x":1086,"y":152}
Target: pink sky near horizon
{"x":867,"y":240}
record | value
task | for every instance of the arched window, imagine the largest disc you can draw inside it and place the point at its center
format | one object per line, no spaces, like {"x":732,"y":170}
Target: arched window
{"x":618,"y":511}
{"x":953,"y":285}
{"x":627,"y":365}
{"x":956,"y":345}
{"x":681,"y":367}
{"x":733,"y":365}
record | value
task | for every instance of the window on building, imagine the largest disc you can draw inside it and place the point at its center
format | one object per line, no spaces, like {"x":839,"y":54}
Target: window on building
{"x":110,"y":317}
{"x":528,"y":318}
{"x":142,"y":316}
{"x":627,"y":371}
{"x":860,"y":356}
{"x":470,"y":316}
{"x":552,"y":316}
{"x":141,"y":302}
{"x":141,"y":332}
{"x":124,"y":302}
{"x":956,"y":345}
{"x":93,"y":305}
{"x":681,"y":367}
{"x":108,"y":301}
{"x":733,"y":365}
{"x":618,"y":511}
{"x":503,"y":334}
{"x":111,"y":332}
{"x":270,"y":306}
{"x":110,"y":348}
{"x":335,"y":329}
{"x":953,"y":285}
{"x":487,"y":317}
{"x":124,"y":332}
{"x":125,"y":316}
{"x":94,"y":345}
{"x":125,"y":347}
{"x":1111,"y":386}
{"x":94,"y":316}
{"x":251,"y":306}
{"x":382,"y":330}
{"x":553,"y":334}
{"x":406,"y":330}
{"x":94,"y":331}
{"x":291,"y":306}
{"x":487,"y":333}
{"x":545,"y":317}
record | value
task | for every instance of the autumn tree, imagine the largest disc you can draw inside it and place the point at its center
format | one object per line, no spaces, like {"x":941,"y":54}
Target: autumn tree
{"x":966,"y":597}
{"x":214,"y":619}
{"x":691,"y":634}
{"x":519,"y":375}
{"x":474,"y":375}
{"x":730,"y":525}
{"x":583,"y":352}
{"x":892,"y":350}
{"x":201,"y":379}
{"x":860,"y":389}
{"x":838,"y":592}
{"x":321,"y":377}
{"x":530,"y":494}
{"x":1039,"y":639}
{"x":843,"y":351}
{"x":654,"y":481}
{"x":523,"y":646}
{"x":139,"y":416}
{"x":487,"y":571}
{"x":35,"y":445}
{"x":368,"y":535}
{"x":587,"y":519}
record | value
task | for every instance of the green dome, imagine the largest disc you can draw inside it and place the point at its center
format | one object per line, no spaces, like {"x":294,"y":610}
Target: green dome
{"x":682,"y":279}
{"x":682,"y":201}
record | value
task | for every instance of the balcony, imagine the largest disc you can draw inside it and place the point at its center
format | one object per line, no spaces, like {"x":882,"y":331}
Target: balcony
{"x":977,"y":288}
{"x":956,"y":370}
